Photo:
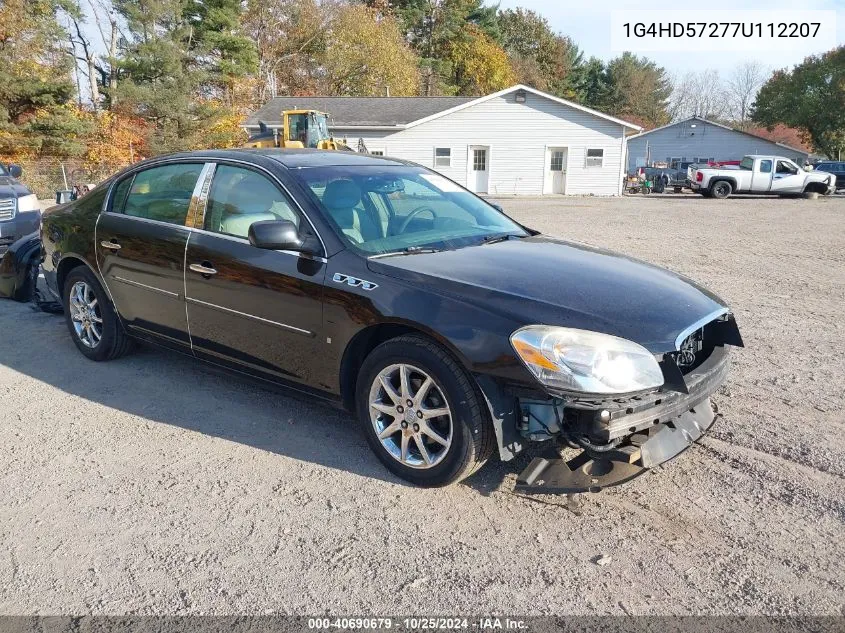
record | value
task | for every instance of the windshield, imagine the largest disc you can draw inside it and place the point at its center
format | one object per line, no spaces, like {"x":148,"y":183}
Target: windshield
{"x":746,"y":163}
{"x":385,"y":209}
{"x":319,"y":127}
{"x":3,"y":171}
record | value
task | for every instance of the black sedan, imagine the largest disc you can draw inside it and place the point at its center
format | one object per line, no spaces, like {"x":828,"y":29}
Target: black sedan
{"x":449,"y":329}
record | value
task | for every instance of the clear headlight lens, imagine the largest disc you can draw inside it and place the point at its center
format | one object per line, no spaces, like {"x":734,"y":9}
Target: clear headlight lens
{"x":580,"y":360}
{"x":28,"y":203}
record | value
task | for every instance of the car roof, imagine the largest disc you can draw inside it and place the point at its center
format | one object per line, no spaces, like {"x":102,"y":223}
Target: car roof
{"x":294,"y":158}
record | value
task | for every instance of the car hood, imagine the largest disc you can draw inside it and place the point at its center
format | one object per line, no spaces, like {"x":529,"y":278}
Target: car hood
{"x":544,"y":280}
{"x":11,"y":188}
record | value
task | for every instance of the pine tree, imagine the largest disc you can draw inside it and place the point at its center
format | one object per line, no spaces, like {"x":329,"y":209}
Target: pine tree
{"x":35,"y":80}
{"x":178,"y":68}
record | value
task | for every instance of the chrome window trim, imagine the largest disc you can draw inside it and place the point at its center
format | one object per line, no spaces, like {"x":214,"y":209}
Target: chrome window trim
{"x":199,"y":197}
{"x":148,"y":220}
{"x":698,"y":325}
{"x":284,"y":189}
{"x":216,"y":161}
{"x":242,"y":240}
{"x":250,"y":316}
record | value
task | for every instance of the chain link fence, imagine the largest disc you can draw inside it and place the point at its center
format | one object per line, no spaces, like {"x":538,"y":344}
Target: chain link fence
{"x":46,"y":176}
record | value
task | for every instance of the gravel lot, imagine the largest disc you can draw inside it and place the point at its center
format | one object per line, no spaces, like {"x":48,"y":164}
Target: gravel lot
{"x":156,"y":485}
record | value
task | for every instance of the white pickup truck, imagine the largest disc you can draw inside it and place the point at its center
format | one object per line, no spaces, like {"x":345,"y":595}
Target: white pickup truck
{"x":761,"y":174}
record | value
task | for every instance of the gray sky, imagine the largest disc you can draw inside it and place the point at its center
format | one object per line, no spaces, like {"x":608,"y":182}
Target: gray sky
{"x":588,"y":24}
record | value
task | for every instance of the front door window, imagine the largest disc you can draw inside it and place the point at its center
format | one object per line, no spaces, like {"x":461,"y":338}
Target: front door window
{"x":239,"y":197}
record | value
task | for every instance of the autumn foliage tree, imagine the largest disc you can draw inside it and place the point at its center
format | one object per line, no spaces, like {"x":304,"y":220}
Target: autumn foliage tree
{"x":810,"y":97}
{"x":367,"y":56}
{"x":540,"y":57}
{"x":479,"y":64}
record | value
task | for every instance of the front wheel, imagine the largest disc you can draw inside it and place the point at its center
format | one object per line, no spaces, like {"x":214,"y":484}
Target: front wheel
{"x":421,"y":413}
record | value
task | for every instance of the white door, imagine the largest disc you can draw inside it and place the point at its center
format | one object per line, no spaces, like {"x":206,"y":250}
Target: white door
{"x":555,"y":180}
{"x":788,"y":177}
{"x":761,"y":177}
{"x":479,"y":169}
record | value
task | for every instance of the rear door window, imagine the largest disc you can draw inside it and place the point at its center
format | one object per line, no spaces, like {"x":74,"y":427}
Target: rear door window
{"x":766,"y":166}
{"x":161,"y":193}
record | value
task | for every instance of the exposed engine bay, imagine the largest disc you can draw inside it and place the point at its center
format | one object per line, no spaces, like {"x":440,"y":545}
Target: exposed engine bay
{"x":621,"y":437}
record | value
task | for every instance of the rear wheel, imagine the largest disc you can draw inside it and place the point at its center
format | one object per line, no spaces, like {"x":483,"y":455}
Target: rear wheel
{"x":721,"y":189}
{"x":90,"y":318}
{"x":421,"y":413}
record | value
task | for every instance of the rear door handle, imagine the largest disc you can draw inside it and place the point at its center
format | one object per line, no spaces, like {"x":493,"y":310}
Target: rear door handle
{"x":202,"y":269}
{"x":112,"y":246}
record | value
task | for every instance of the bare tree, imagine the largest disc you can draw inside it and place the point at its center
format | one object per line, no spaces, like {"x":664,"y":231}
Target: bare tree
{"x":701,"y":94}
{"x":98,"y":59}
{"x":742,"y":88}
{"x":288,"y":35}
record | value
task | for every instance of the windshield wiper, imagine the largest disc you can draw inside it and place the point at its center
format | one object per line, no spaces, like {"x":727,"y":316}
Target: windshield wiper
{"x":493,"y":239}
{"x":411,"y":250}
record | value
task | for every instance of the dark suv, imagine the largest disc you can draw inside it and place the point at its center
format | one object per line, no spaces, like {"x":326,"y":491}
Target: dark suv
{"x":20,"y":213}
{"x":837,"y":168}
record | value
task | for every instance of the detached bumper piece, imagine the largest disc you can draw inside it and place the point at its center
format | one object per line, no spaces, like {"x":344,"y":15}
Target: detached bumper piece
{"x":649,"y":448}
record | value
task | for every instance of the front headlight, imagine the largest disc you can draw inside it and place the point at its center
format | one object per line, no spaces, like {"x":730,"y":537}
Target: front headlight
{"x":28,"y":203}
{"x":580,"y":360}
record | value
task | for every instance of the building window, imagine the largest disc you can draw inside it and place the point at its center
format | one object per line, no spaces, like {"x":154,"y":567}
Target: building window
{"x":443,"y":157}
{"x":595,"y":157}
{"x":479,"y":160}
{"x":557,"y":161}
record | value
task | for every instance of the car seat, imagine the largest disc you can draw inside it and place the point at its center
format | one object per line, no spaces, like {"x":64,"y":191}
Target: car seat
{"x":340,"y":199}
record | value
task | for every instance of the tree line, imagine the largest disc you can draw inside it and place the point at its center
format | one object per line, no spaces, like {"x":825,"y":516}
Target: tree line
{"x":108,"y":81}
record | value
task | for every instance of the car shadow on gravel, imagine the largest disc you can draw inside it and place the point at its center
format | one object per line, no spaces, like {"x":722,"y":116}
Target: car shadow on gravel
{"x":164,"y":386}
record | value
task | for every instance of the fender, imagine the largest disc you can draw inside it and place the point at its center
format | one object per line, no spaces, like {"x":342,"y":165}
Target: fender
{"x":715,"y":179}
{"x":18,"y":268}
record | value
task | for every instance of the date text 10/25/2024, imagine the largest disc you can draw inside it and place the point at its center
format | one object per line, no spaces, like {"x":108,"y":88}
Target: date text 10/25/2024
{"x":491,"y":623}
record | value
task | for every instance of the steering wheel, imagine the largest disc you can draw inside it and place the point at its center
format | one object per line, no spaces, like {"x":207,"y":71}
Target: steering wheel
{"x":414,"y":213}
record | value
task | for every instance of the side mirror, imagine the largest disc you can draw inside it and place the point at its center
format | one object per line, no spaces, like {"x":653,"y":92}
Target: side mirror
{"x":15,"y":171}
{"x":498,"y":207}
{"x":276,"y":235}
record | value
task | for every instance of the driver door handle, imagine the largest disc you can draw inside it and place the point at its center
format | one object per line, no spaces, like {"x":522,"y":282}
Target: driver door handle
{"x":112,"y":246}
{"x":203,"y":270}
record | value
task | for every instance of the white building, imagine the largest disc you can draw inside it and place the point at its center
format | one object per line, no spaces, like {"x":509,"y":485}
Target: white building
{"x":698,"y":140}
{"x":516,"y":141}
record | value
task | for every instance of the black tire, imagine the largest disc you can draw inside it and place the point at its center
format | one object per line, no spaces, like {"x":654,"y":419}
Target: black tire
{"x":472,"y":430}
{"x":721,"y":189}
{"x":113,"y":342}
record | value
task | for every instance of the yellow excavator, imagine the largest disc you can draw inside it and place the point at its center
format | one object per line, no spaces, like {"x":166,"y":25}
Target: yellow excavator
{"x":300,"y":128}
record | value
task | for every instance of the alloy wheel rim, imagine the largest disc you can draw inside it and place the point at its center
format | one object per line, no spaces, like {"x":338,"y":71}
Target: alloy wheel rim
{"x":411,"y":416}
{"x":85,"y":314}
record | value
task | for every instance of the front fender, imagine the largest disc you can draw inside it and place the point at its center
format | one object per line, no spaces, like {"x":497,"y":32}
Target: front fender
{"x":16,"y":264}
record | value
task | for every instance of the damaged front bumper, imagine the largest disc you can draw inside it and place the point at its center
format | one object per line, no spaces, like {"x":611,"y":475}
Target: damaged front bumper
{"x":621,"y":438}
{"x":590,"y":472}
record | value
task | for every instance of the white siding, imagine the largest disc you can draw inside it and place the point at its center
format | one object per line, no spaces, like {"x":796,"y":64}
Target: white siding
{"x":702,"y":141}
{"x":518,"y":135}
